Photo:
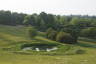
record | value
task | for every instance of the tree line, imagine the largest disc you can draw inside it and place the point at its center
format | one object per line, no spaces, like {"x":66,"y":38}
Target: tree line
{"x":11,"y":18}
{"x":45,"y":21}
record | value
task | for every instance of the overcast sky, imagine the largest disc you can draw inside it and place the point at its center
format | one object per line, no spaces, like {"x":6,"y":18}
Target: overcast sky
{"x":63,"y":7}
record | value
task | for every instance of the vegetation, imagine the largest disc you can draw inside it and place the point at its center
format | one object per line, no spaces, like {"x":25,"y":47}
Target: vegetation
{"x":51,"y":34}
{"x":43,"y":21}
{"x":73,"y":35}
{"x":89,"y":32}
{"x":32,"y":32}
{"x":73,"y":24}
{"x":13,"y":37}
{"x":64,"y":38}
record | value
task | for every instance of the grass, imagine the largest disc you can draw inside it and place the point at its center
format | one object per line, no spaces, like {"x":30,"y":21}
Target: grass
{"x":12,"y":37}
{"x":87,"y":39}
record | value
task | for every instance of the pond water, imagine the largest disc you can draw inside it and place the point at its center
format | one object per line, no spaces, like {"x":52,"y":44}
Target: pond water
{"x":40,"y":49}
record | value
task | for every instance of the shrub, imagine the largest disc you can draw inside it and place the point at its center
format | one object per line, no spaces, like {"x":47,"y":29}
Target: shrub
{"x":51,"y":34}
{"x":32,"y":32}
{"x":79,"y":51}
{"x":64,"y":38}
{"x":75,"y":51}
{"x":48,"y":31}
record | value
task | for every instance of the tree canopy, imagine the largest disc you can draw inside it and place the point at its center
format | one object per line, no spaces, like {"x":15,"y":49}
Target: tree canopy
{"x":72,"y":24}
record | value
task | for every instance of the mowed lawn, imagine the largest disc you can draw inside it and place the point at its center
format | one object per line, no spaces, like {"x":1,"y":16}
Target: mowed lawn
{"x":11,"y":35}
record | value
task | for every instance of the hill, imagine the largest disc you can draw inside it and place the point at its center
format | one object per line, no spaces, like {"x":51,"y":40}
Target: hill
{"x":12,"y":37}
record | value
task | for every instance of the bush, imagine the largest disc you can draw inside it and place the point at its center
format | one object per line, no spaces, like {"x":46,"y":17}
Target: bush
{"x":32,"y":32}
{"x":75,"y":51}
{"x":79,"y":51}
{"x":48,"y":31}
{"x":64,"y":38}
{"x":51,"y":34}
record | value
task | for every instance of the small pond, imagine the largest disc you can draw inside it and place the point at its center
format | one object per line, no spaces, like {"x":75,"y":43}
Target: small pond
{"x":39,"y":47}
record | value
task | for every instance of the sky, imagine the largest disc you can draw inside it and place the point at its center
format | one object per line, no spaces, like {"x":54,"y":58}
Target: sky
{"x":61,"y":7}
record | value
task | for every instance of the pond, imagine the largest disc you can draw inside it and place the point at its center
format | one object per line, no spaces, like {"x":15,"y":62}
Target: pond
{"x":39,"y":47}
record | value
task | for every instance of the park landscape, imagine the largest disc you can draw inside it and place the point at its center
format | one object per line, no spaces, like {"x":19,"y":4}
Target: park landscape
{"x":74,"y":39}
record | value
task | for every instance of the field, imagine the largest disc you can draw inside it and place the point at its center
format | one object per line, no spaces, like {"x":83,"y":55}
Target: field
{"x":11,"y":37}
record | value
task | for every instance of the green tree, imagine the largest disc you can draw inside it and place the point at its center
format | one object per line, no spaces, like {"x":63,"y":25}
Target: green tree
{"x":73,"y":30}
{"x":32,"y":32}
{"x":81,"y":22}
{"x":48,"y":31}
{"x":89,"y":32}
{"x":64,"y":38}
{"x":51,"y":34}
{"x":17,"y":19}
{"x":5,"y":17}
{"x":30,"y":20}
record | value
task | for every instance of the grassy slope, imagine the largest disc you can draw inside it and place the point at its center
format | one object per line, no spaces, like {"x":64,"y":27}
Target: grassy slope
{"x":11,"y":35}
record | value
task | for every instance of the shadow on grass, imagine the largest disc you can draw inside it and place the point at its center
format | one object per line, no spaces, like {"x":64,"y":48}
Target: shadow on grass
{"x":87,"y":39}
{"x":86,"y":45}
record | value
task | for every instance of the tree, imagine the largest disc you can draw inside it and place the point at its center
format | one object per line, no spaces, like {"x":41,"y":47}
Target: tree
{"x":89,"y":32}
{"x":81,"y":22}
{"x":51,"y":34}
{"x":17,"y":19}
{"x":48,"y":31}
{"x":73,"y":30}
{"x":64,"y":20}
{"x":32,"y":32}
{"x":40,"y":24}
{"x":64,"y":38}
{"x":51,"y":21}
{"x":5,"y":17}
{"x":30,"y":20}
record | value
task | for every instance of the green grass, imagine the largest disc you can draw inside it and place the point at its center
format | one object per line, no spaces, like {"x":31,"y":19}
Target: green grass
{"x":12,"y":37}
{"x":87,"y":39}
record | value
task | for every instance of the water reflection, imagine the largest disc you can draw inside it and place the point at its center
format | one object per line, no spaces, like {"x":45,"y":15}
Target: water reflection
{"x":40,"y":49}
